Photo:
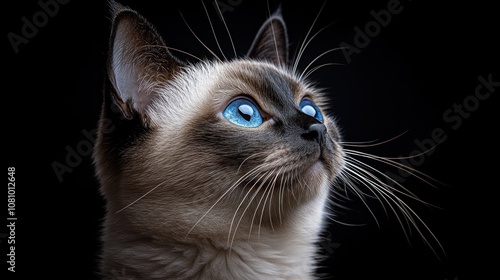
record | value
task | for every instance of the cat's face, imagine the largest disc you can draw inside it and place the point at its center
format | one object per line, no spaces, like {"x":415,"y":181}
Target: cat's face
{"x":212,"y":146}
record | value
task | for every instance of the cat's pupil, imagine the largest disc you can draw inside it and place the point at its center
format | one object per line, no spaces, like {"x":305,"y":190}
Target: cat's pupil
{"x":309,"y":110}
{"x":245,"y":111}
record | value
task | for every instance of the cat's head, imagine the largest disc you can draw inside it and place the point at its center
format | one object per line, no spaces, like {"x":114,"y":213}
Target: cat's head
{"x":210,"y":147}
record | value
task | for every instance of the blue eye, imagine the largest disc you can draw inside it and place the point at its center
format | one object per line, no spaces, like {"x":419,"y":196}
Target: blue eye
{"x":310,"y":109}
{"x":243,"y":112}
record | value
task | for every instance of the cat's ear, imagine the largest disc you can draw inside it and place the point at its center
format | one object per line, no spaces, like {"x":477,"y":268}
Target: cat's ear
{"x":271,"y":42}
{"x":138,"y":63}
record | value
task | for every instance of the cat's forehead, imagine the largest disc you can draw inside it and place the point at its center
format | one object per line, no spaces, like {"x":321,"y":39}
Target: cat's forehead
{"x":263,"y":80}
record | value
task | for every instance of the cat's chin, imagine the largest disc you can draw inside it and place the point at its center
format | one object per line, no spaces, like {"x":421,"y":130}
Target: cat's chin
{"x":316,"y":172}
{"x":317,"y":168}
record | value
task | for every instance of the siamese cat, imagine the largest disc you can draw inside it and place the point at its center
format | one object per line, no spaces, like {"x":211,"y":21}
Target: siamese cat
{"x":212,"y":170}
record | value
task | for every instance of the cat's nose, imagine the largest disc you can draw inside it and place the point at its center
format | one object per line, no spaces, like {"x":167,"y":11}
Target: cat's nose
{"x":315,"y":132}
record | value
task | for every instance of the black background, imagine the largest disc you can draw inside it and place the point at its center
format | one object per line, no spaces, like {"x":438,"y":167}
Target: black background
{"x":413,"y":70}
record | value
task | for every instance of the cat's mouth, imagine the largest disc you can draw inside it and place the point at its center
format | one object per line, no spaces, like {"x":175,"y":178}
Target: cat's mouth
{"x":326,"y":160}
{"x":317,"y":158}
{"x":318,"y":164}
{"x":323,"y":152}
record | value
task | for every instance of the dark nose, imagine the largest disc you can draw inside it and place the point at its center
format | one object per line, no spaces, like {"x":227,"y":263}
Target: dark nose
{"x":315,"y":132}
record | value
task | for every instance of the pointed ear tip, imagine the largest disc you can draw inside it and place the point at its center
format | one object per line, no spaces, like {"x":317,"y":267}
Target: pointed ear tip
{"x":116,"y":8}
{"x":278,"y":12}
{"x":277,"y":16}
{"x":279,"y":9}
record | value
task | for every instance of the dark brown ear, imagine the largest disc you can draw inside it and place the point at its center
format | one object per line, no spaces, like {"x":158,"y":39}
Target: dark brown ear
{"x":138,"y":61}
{"x":271,"y":42}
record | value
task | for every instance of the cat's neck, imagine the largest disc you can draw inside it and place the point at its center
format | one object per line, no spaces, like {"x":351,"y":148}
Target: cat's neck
{"x":264,"y":254}
{"x":271,"y":257}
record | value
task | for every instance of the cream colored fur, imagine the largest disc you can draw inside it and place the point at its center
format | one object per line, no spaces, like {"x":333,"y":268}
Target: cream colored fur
{"x":174,"y":211}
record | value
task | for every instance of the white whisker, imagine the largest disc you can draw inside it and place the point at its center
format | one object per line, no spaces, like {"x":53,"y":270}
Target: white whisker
{"x":264,"y":178}
{"x":227,"y":30}
{"x":281,"y":193}
{"x":387,"y":193}
{"x":213,"y":30}
{"x":254,"y":214}
{"x":272,"y":187}
{"x":184,"y":52}
{"x":306,"y":75}
{"x":141,"y":197}
{"x":233,"y":186}
{"x":356,"y":191}
{"x":405,"y":191}
{"x":274,"y":36}
{"x":416,"y":173}
{"x":301,"y":76}
{"x":330,"y":216}
{"x":199,"y":40}
{"x":373,"y":143}
{"x":249,"y":157}
{"x":266,"y":193}
{"x":306,"y":41}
